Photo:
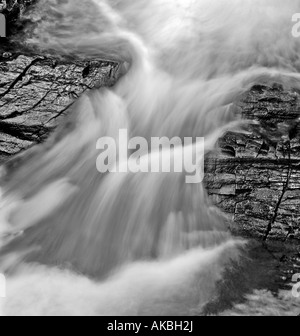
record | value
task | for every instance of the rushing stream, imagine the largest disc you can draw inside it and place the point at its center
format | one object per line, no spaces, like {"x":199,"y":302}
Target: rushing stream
{"x":76,"y":241}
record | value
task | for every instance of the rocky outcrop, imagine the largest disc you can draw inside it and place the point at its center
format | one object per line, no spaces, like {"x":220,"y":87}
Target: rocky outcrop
{"x":255,"y":178}
{"x":35,"y":92}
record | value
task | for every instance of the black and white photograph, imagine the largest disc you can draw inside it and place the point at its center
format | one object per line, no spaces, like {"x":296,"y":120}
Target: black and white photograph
{"x":149,"y":161}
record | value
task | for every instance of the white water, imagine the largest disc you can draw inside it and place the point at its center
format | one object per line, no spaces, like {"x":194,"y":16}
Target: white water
{"x":152,"y":243}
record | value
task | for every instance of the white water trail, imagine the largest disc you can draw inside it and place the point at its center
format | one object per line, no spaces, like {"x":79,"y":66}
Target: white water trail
{"x":178,"y":287}
{"x":183,"y":64}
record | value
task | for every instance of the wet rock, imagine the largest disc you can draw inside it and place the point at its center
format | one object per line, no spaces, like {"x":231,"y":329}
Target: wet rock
{"x":36,"y":91}
{"x":261,"y":191}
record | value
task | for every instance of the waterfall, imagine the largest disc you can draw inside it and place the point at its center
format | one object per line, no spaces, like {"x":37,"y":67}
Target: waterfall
{"x":76,"y":241}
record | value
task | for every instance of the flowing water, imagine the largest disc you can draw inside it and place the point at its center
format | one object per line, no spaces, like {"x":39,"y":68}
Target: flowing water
{"x":74,"y":241}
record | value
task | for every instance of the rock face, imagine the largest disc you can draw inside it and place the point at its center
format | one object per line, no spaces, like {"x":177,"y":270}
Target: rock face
{"x":36,"y":91}
{"x":255,"y":178}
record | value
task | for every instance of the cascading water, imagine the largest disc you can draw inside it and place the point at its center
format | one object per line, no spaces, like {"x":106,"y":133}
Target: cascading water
{"x":74,"y":241}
